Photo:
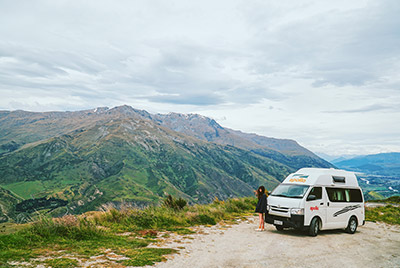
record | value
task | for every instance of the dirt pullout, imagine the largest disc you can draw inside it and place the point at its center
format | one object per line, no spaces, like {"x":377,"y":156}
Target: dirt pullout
{"x":373,"y":245}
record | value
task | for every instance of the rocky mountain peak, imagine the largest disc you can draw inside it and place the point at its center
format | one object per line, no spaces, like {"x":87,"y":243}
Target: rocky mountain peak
{"x":100,"y":109}
{"x":129,"y":111}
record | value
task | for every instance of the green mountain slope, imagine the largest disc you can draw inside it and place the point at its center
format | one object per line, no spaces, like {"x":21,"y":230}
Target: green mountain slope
{"x":136,"y":161}
{"x":96,"y":157}
{"x":8,"y":201}
{"x":285,"y":151}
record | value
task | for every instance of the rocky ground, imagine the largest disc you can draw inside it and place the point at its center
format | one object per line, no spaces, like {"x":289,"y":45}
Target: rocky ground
{"x":373,"y":245}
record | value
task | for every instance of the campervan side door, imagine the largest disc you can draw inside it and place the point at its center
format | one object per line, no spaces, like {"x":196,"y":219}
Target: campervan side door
{"x":315,"y":205}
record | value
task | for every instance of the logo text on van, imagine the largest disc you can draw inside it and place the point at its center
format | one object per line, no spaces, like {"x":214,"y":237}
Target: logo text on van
{"x":298,"y":178}
{"x":314,"y":208}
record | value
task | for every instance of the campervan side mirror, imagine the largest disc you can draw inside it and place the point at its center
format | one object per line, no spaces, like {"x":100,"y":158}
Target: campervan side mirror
{"x":311,"y":197}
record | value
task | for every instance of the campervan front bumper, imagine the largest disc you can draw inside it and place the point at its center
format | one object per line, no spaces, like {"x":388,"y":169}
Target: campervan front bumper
{"x":295,"y":221}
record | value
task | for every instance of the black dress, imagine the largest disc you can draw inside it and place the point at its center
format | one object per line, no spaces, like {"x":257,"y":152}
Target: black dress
{"x":262,"y":204}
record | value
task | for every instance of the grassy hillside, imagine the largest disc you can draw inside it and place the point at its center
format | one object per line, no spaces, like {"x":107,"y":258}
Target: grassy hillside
{"x":8,"y":201}
{"x":135,"y":161}
{"x":390,"y":213}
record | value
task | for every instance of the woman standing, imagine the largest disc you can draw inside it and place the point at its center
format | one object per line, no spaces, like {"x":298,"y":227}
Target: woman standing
{"x":261,"y":207}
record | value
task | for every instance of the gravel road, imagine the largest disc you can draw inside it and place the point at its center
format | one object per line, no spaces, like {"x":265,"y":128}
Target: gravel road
{"x":239,"y":245}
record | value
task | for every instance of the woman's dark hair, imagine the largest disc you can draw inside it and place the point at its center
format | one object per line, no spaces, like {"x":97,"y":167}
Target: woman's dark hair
{"x":260,"y":193}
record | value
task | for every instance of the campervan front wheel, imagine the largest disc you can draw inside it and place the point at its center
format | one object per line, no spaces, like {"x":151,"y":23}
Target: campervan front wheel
{"x":352,"y":226}
{"x":314,"y":227}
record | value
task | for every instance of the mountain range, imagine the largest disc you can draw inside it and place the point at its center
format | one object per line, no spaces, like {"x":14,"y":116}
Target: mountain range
{"x":385,"y":164}
{"x":110,"y":156}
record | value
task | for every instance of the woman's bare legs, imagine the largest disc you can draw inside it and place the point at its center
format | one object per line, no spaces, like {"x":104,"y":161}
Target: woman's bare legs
{"x":261,"y":221}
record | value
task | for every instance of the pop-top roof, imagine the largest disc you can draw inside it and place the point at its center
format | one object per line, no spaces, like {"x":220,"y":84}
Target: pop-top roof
{"x":322,"y":176}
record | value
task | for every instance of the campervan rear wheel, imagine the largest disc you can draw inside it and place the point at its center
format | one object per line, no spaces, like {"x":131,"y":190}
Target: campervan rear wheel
{"x":314,"y":227}
{"x":352,"y":226}
{"x":279,"y":227}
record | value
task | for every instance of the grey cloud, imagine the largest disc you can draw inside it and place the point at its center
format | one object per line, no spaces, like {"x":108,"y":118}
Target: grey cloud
{"x":367,"y":47}
{"x":365,"y":109}
{"x":189,"y":99}
{"x":333,"y":46}
{"x":188,"y":69}
{"x":343,"y":77}
{"x":34,"y":67}
{"x":138,"y":54}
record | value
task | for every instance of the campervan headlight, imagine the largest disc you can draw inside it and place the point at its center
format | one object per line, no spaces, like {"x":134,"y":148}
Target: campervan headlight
{"x":297,"y":211}
{"x":268,"y":207}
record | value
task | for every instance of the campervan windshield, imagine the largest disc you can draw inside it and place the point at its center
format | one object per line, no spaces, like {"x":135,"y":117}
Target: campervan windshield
{"x":290,"y":190}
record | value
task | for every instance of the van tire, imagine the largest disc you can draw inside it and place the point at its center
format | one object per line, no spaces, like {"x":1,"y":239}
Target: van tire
{"x":314,"y":227}
{"x":279,"y":227}
{"x":352,"y":226}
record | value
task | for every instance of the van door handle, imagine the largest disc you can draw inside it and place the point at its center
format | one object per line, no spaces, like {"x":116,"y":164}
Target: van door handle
{"x":321,"y":204}
{"x":328,"y":204}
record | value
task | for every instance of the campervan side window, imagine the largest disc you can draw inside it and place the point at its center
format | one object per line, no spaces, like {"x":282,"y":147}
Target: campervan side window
{"x":344,"y":195}
{"x":355,"y":195}
{"x":317,"y":191}
{"x":336,"y":194}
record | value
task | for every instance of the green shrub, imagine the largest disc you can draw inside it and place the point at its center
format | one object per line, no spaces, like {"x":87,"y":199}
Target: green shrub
{"x":206,"y":219}
{"x":180,"y":203}
{"x":171,"y":202}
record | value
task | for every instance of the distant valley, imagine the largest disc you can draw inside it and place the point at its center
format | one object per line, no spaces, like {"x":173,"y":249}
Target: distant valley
{"x":386,"y":164}
{"x":104,"y":157}
{"x":379,"y":173}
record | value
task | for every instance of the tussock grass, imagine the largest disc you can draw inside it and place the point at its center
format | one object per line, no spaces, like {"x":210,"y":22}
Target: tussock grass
{"x":388,"y":214}
{"x":92,"y":233}
{"x":164,"y":218}
{"x":67,"y":227}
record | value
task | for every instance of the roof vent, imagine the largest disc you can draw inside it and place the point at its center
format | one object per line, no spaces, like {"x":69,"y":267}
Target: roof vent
{"x":339,"y":179}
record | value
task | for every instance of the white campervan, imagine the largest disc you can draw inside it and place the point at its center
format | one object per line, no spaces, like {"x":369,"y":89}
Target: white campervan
{"x":317,"y":199}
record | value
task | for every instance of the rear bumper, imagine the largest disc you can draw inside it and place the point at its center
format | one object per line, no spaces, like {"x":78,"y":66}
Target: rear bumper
{"x":295,"y":221}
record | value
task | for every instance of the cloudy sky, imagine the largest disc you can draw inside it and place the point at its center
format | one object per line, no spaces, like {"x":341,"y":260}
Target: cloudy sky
{"x":324,"y":73}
